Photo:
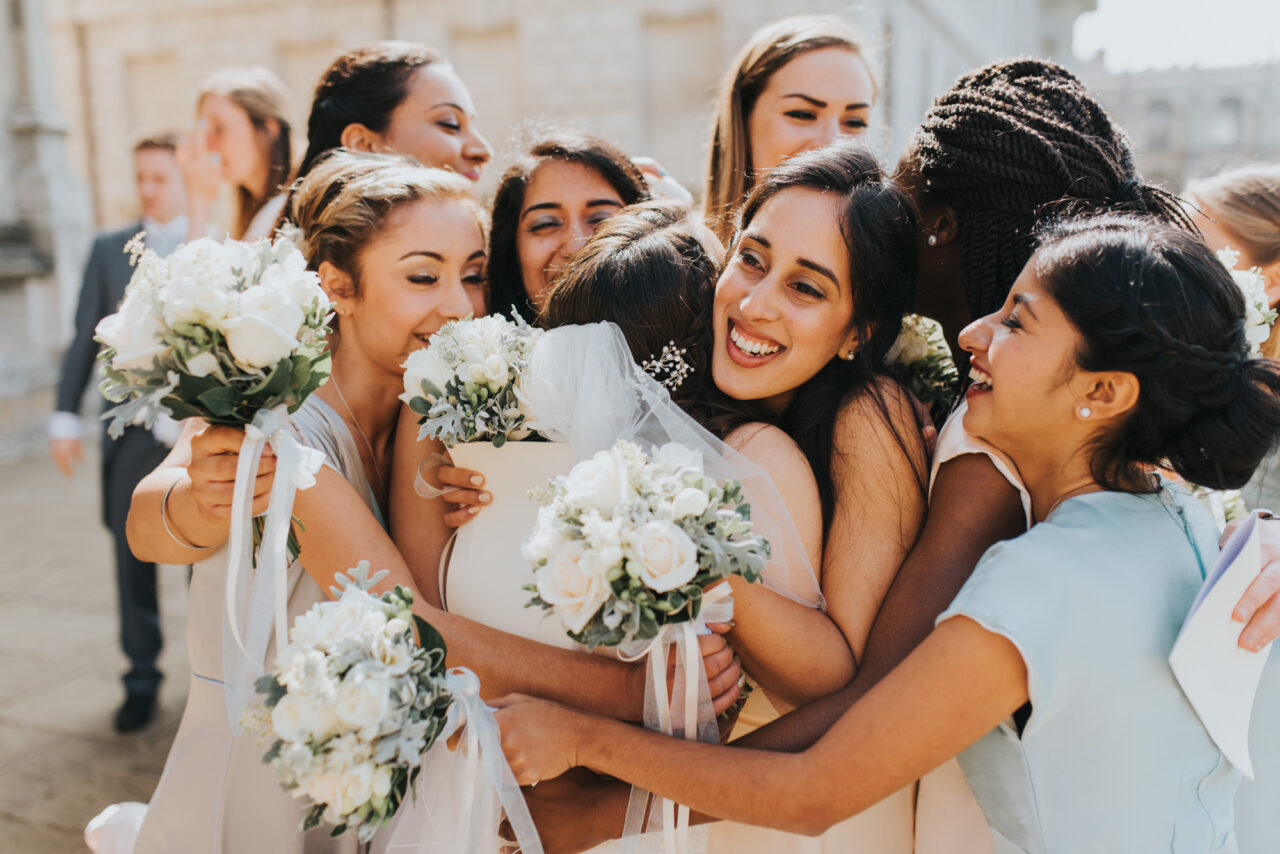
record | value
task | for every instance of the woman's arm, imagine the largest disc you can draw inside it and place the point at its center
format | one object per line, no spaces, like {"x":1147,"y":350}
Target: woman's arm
{"x":795,"y":652}
{"x":960,"y":683}
{"x":972,"y":507}
{"x":417,"y":523}
{"x":193,"y":488}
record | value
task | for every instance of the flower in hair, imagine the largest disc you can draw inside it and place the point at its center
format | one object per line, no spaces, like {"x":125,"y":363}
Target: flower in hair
{"x":1258,"y":313}
{"x":669,"y":368}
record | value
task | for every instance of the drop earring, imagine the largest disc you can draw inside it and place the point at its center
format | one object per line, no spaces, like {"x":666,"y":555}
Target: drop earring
{"x":1085,"y":412}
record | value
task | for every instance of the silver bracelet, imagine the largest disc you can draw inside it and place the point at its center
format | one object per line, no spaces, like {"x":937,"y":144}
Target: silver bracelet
{"x":164,"y":520}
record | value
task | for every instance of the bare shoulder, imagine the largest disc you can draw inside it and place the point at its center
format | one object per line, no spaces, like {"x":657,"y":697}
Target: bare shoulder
{"x":880,"y":413}
{"x":761,"y":443}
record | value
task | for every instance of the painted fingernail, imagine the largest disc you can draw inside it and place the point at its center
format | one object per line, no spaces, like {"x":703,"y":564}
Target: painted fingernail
{"x":476,"y":480}
{"x":471,"y":511}
{"x":485,"y":498}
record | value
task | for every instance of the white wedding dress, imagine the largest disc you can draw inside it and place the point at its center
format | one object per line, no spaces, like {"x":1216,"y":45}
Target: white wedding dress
{"x":215,"y":795}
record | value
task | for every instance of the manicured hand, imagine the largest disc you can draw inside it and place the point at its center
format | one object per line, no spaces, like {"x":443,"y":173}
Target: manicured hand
{"x":461,"y":487}
{"x":539,"y":737}
{"x":724,"y":669}
{"x":1259,"y":607}
{"x":66,"y":454}
{"x":215,"y":453}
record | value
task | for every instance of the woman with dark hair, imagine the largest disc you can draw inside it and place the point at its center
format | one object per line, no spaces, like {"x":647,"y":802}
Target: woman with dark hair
{"x":552,"y":197}
{"x":1120,"y":348}
{"x":396,"y":96}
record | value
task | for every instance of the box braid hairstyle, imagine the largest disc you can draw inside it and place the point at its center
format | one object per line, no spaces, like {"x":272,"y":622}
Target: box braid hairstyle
{"x":1016,"y":143}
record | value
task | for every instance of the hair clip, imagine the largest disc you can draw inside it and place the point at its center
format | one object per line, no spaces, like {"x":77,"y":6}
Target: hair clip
{"x":669,"y":368}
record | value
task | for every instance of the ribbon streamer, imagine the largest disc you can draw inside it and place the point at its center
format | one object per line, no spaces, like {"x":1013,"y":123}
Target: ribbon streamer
{"x":690,"y":697}
{"x":461,"y":790}
{"x":264,"y":601}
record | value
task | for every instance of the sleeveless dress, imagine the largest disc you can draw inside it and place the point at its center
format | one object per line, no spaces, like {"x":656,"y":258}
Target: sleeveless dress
{"x":215,"y":795}
{"x":1112,"y":757}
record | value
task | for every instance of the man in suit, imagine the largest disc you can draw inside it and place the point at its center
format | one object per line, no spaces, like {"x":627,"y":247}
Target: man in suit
{"x":126,"y":460}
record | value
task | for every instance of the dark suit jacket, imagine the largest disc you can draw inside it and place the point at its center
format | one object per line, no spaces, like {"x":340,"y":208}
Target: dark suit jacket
{"x":105,"y":277}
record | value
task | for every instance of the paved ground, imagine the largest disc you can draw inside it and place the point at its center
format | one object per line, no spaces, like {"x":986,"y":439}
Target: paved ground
{"x":60,"y":662}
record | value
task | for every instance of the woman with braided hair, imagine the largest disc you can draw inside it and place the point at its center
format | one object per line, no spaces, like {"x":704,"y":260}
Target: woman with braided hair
{"x":1119,"y":348}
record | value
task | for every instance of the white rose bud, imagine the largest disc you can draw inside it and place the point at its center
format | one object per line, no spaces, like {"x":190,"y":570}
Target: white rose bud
{"x":135,"y":333}
{"x":203,"y":364}
{"x":495,"y":371}
{"x":573,"y":581}
{"x":265,"y":328}
{"x":424,"y":365}
{"x":689,"y":502}
{"x":382,"y":781}
{"x":667,"y":558}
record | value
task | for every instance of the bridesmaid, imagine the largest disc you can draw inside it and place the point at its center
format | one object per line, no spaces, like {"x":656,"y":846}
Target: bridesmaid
{"x":400,"y":250}
{"x":241,"y":139}
{"x":551,"y":198}
{"x":796,"y":85}
{"x":1087,"y":390}
{"x":396,"y":97}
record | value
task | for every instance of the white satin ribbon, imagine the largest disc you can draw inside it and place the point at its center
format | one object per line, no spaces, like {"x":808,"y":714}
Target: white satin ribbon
{"x":690,"y":697}
{"x":264,"y":601}
{"x":469,"y":779}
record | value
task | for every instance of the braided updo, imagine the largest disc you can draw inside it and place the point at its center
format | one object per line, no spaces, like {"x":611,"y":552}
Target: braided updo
{"x":1152,"y":300}
{"x":1008,"y":144}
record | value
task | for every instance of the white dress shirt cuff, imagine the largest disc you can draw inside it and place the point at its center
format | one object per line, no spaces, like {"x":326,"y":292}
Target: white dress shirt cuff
{"x":65,"y":425}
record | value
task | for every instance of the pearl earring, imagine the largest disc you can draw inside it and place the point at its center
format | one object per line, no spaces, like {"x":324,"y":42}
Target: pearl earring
{"x":1085,"y":412}
{"x":933,"y":240}
{"x":848,"y":357}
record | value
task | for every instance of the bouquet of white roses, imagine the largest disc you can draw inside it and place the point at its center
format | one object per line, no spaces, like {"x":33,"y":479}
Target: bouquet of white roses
{"x":352,"y":703}
{"x":464,"y":384}
{"x":626,"y":543}
{"x":216,"y":330}
{"x":1258,"y":313}
{"x":921,"y":361}
{"x":233,"y":333}
{"x":355,"y":704}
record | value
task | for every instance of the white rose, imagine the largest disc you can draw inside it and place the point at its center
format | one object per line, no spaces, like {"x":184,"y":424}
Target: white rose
{"x":345,"y":790}
{"x":364,"y":698}
{"x":573,"y":581}
{"x":197,"y":302}
{"x":677,"y":456}
{"x":495,"y":371}
{"x":424,"y":365}
{"x":298,"y":718}
{"x":382,"y":781}
{"x":292,"y":276}
{"x":600,"y":482}
{"x":204,"y":259}
{"x":541,"y":542}
{"x":355,"y":613}
{"x":203,"y":364}
{"x":136,"y":333}
{"x":265,"y":327}
{"x":666,"y":555}
{"x":689,"y":502}
{"x":393,"y":654}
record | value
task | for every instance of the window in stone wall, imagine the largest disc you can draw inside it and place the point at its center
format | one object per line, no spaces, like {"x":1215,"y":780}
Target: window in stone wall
{"x":1226,"y":128}
{"x":1159,"y":126}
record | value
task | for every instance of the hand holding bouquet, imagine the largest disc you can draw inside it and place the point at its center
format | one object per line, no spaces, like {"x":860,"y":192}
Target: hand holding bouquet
{"x":233,"y":333}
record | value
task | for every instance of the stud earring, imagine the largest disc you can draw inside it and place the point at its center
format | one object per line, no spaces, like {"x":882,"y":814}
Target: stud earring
{"x":933,"y":240}
{"x":848,"y":357}
{"x":1085,"y":412}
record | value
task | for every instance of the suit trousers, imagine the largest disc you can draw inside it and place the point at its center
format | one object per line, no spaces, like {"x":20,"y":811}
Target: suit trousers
{"x":125,"y":461}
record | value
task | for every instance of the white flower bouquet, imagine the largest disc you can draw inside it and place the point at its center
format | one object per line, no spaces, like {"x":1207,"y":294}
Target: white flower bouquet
{"x":626,"y":543}
{"x":352,"y":703}
{"x":464,"y":384}
{"x":216,"y":330}
{"x":921,"y":361}
{"x":1259,"y":315}
{"x":354,"y":706}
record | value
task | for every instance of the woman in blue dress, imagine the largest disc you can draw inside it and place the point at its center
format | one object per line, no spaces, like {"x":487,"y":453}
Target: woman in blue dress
{"x":1120,"y":348}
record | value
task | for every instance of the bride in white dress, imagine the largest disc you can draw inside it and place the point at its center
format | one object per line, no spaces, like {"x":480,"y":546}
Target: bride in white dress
{"x":400,"y":250}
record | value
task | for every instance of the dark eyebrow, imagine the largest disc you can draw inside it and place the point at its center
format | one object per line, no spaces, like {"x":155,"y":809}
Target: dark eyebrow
{"x":450,"y":104}
{"x":479,"y":253}
{"x":595,"y":203}
{"x":540,"y":206}
{"x":821,"y":270}
{"x":1023,"y":299}
{"x":811,"y":100}
{"x":758,"y":239}
{"x":428,"y":253}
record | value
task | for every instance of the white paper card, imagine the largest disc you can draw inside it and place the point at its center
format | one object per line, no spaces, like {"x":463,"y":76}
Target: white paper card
{"x":1218,"y":677}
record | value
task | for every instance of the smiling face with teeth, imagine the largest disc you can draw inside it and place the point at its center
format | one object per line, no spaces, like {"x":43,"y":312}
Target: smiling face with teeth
{"x":784,"y":304}
{"x":1026,"y":388}
{"x":425,"y":267}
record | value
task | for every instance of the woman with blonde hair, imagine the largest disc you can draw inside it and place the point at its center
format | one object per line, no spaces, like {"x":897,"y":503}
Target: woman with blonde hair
{"x":796,"y":85}
{"x":242,"y":139}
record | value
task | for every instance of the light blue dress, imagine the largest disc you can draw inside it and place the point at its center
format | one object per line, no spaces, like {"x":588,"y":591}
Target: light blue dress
{"x":1113,"y":758}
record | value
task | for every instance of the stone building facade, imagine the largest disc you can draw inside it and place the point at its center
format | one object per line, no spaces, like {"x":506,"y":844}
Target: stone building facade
{"x":1189,"y":123}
